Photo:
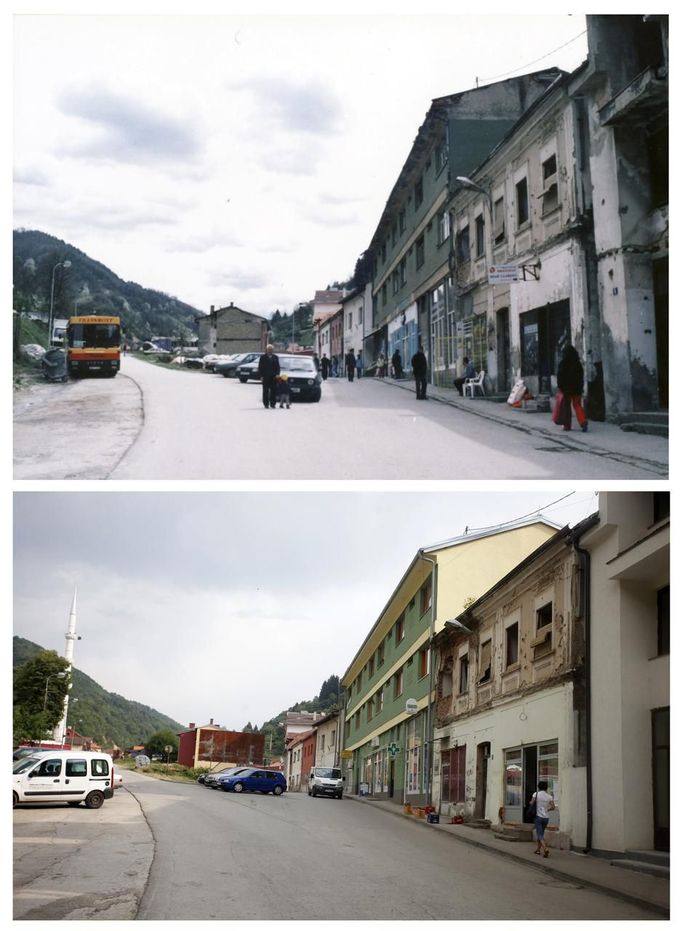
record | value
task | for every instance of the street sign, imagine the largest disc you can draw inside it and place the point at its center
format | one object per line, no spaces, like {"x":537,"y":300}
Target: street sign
{"x":411,"y":706}
{"x":499,"y":274}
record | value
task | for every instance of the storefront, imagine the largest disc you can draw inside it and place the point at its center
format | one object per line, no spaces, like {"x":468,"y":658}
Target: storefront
{"x":524,"y":767}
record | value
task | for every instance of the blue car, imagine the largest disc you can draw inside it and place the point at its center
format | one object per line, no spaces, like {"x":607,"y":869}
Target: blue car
{"x":254,"y":780}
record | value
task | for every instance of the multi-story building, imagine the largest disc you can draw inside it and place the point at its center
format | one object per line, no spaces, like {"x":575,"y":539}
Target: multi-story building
{"x":389,"y":683}
{"x":411,"y":244}
{"x":627,"y":556}
{"x":356,"y":305}
{"x":210,"y":744}
{"x":231,"y":329}
{"x":328,"y":740}
{"x":511,"y":705}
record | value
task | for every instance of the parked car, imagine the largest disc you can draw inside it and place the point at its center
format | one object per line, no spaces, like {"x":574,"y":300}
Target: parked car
{"x":118,"y":779}
{"x":228,"y":368}
{"x":21,"y":752}
{"x":210,"y":360}
{"x":211,"y":779}
{"x":255,"y":780}
{"x":305,"y":382}
{"x":248,"y":370}
{"x":325,"y":780}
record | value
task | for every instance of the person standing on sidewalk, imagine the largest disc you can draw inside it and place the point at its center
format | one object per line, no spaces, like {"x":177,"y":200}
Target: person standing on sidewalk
{"x":570,"y":379}
{"x":419,"y":369}
{"x":544,"y":803}
{"x":358,"y":363}
{"x":268,"y":370}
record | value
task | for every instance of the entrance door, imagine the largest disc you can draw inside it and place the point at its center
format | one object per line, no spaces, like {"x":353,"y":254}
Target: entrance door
{"x":660,"y":719}
{"x":391,"y":776}
{"x":482,"y":757}
{"x":530,"y":778}
{"x":503,"y":360}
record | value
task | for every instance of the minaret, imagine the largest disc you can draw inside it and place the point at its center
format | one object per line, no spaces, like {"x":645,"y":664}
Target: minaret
{"x":59,"y":734}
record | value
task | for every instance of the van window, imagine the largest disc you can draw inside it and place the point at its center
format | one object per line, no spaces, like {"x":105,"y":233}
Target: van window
{"x":49,"y":768}
{"x":99,"y":767}
{"x":76,"y":768}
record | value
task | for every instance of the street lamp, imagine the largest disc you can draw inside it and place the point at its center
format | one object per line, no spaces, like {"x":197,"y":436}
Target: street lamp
{"x":473,"y":186}
{"x":65,"y":264}
{"x":53,"y":675}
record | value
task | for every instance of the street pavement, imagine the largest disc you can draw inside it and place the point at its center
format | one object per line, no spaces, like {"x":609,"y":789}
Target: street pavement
{"x":633,"y":886}
{"x":150,"y":423}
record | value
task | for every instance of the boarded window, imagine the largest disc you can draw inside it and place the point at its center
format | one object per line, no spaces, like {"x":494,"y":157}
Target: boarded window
{"x":512,"y":644}
{"x":542,"y":642}
{"x":498,"y":221}
{"x":485,"y":662}
{"x":550,"y":188}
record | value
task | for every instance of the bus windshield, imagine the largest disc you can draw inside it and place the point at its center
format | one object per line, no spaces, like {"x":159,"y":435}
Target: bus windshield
{"x":94,"y":335}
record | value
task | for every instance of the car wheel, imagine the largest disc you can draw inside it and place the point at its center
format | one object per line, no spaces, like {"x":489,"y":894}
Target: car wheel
{"x":277,"y":790}
{"x":94,"y":800}
{"x":239,"y":787}
{"x":15,"y":799}
{"x":73,"y":803}
{"x":314,"y":793}
{"x":243,"y":380}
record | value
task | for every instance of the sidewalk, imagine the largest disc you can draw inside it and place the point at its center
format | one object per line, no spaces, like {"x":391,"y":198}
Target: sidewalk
{"x":638,"y":888}
{"x":605,"y":440}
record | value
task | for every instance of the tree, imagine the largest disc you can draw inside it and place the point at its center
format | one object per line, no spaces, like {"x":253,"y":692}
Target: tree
{"x":157,"y":743}
{"x":39,"y":694}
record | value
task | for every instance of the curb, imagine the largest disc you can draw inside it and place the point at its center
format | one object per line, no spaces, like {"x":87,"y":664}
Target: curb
{"x":538,"y":867}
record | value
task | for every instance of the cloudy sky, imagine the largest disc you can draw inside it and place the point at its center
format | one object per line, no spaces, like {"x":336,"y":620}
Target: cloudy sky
{"x":232,"y":605}
{"x":242,"y":157}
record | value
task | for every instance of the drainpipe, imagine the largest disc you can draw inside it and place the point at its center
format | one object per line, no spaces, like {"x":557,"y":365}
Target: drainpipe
{"x":585,"y":573}
{"x":429,"y":711}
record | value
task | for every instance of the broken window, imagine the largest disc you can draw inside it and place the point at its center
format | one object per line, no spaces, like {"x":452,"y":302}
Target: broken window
{"x":542,"y":642}
{"x":464,"y":674}
{"x":485,"y":662}
{"x":462,"y":247}
{"x":512,"y":645}
{"x":445,"y":680}
{"x":550,"y":188}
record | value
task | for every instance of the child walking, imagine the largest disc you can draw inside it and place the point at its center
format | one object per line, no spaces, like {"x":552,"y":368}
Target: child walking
{"x":283,"y":391}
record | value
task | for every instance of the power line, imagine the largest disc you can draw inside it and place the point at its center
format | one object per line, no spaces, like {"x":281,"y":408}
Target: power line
{"x":515,"y":519}
{"x":497,"y":77}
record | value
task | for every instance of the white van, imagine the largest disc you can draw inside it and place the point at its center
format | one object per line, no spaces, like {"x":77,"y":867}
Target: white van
{"x":325,"y":780}
{"x":71,"y":776}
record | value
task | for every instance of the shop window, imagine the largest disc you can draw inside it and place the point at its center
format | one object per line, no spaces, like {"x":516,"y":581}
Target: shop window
{"x":485,"y":662}
{"x":511,"y":645}
{"x":464,"y":674}
{"x":522,"y":213}
{"x":663,"y":599}
{"x":513,"y":778}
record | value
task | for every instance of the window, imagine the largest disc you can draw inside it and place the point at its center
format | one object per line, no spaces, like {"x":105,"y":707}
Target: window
{"x":99,"y":767}
{"x":498,"y":221}
{"x":663,"y":599}
{"x":661,"y":505}
{"x":401,"y":221}
{"x":424,"y":654}
{"x":380,"y":654}
{"x":485,"y":662}
{"x":356,"y":718}
{"x":379,"y":701}
{"x":513,"y":778}
{"x":322,"y":736}
{"x":400,"y":629}
{"x":445,"y":681}
{"x":370,"y":666}
{"x":462,"y":247}
{"x":419,"y":251}
{"x":384,"y":294}
{"x":542,"y":642}
{"x":402,"y":271}
{"x":550,"y":189}
{"x":383,"y":251}
{"x":418,"y":193}
{"x":394,"y":235}
{"x":49,"y":768}
{"x":441,"y":155}
{"x":522,"y":202}
{"x":443,"y":226}
{"x":76,"y":768}
{"x":350,"y":320}
{"x":453,"y":775}
{"x":398,"y":684}
{"x":512,"y":645}
{"x":370,"y":709}
{"x":464,"y":674}
{"x":425,"y":597}
{"x":480,"y":236}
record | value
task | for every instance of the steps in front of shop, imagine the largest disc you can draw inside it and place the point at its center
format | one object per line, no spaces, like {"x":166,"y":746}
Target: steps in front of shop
{"x":514,"y":832}
{"x":652,"y":862}
{"x":654,"y":423}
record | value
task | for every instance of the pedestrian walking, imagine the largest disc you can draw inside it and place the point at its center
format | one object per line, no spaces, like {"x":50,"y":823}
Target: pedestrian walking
{"x":358,"y":363}
{"x":570,"y":380}
{"x":541,"y":804}
{"x":268,"y":370}
{"x":469,"y":372}
{"x":350,"y":364}
{"x":283,"y":390}
{"x":397,"y":363}
{"x":335,"y":366}
{"x":324,"y":366}
{"x":381,"y":365}
{"x":419,"y":370}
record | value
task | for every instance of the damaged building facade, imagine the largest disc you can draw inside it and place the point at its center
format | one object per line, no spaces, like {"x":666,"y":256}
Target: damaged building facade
{"x":534,"y":212}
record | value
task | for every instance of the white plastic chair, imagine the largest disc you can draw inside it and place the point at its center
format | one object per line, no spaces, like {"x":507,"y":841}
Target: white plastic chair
{"x":471,"y":384}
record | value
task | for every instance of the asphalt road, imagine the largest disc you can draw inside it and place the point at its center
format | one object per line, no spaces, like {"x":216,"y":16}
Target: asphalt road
{"x":154,"y":423}
{"x":167,"y":851}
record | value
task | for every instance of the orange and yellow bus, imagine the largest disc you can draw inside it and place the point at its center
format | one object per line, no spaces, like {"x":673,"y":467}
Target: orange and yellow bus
{"x":93,"y":345}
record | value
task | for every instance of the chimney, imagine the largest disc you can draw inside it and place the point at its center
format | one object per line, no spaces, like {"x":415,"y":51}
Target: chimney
{"x":192,"y":725}
{"x":211,"y":721}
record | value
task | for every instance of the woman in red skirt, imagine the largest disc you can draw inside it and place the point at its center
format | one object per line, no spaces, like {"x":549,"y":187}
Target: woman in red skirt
{"x":570,"y":378}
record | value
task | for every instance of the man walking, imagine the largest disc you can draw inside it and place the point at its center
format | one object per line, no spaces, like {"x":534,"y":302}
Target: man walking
{"x":268,"y":369}
{"x":419,"y":369}
{"x":350,"y":364}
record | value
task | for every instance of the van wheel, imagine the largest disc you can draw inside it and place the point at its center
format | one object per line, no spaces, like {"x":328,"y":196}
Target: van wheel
{"x":277,"y":790}
{"x":94,"y":800}
{"x":15,"y":799}
{"x":74,"y":803}
{"x":313,"y":793}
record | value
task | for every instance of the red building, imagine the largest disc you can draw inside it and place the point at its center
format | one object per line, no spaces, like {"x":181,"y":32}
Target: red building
{"x":209,"y":744}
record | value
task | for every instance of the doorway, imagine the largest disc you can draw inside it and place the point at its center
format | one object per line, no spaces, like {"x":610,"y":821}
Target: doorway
{"x":482,"y":757}
{"x":503,"y":351}
{"x":530,"y":779}
{"x":660,"y":719}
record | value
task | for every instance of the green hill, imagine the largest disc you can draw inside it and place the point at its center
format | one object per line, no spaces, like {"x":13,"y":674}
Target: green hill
{"x":91,"y":287}
{"x":104,"y":716}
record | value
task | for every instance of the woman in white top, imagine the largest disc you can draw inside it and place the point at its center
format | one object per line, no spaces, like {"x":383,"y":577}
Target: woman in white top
{"x":544,"y":803}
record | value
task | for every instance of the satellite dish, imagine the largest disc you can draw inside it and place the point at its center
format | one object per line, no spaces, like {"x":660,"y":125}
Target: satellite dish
{"x":142,"y":760}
